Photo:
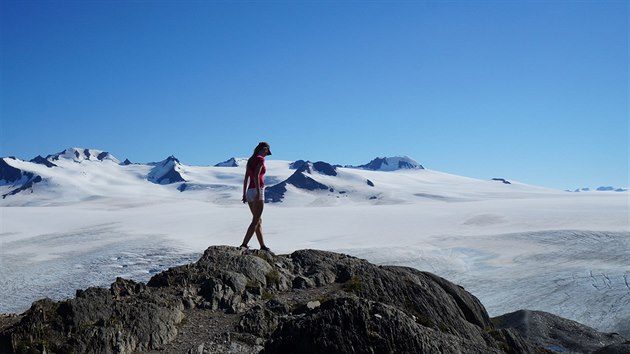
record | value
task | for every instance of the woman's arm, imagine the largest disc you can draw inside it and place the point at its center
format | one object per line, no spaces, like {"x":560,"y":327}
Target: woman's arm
{"x":245,"y":187}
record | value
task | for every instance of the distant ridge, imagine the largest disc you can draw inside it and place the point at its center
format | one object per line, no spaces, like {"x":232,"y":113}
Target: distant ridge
{"x":599,"y":189}
{"x":392,"y":164}
{"x":66,"y":172}
{"x":80,"y":154}
{"x":232,"y":162}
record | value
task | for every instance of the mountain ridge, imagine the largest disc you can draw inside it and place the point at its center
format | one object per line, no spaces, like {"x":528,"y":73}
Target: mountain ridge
{"x":25,"y":175}
{"x":62,"y":171}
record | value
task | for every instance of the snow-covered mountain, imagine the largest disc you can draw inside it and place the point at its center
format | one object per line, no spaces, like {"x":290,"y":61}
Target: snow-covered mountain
{"x":391,"y":164}
{"x":80,"y":154}
{"x":303,"y":178}
{"x":513,"y":245}
{"x":71,"y":171}
{"x":167,"y":171}
{"x":232,"y":162}
{"x":15,"y":179}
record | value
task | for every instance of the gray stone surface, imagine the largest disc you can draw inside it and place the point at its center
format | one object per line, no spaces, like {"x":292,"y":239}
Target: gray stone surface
{"x":241,"y":301}
{"x":559,"y":334}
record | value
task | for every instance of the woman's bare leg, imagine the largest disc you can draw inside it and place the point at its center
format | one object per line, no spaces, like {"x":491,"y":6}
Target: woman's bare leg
{"x":256,"y":225}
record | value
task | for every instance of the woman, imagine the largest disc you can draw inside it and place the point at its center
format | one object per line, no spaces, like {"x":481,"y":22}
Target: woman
{"x":254,"y":192}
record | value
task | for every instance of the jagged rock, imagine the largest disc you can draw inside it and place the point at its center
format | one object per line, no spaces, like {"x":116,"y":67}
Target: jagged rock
{"x":425,"y":295}
{"x":259,"y":321}
{"x":622,"y":348}
{"x":558,"y":334}
{"x":94,"y":322}
{"x":42,"y":161}
{"x":251,"y":301}
{"x":354,"y":325}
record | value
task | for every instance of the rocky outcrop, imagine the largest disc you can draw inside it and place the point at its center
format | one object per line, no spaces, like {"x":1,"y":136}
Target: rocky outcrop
{"x":116,"y":320}
{"x":560,"y":334}
{"x":234,"y":300}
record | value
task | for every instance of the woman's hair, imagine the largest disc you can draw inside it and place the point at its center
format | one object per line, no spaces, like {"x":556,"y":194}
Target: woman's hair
{"x":257,"y":150}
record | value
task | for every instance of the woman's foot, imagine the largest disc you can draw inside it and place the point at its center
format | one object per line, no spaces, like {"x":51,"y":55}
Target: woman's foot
{"x":245,"y":247}
{"x":265,"y":248}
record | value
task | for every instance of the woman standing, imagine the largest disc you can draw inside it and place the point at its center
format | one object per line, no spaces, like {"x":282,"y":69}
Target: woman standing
{"x":254,"y":192}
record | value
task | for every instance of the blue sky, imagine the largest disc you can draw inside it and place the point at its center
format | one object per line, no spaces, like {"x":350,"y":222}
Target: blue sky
{"x":533,"y":91}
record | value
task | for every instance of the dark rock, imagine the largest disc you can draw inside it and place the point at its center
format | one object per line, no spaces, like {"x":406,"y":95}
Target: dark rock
{"x":102,"y":156}
{"x":355,"y":325}
{"x":390,"y":164}
{"x":259,"y":321}
{"x":127,"y":162}
{"x":278,"y":307}
{"x":502,"y":180}
{"x":26,"y":186}
{"x":166,"y":172}
{"x":8,"y":173}
{"x":556,"y":333}
{"x":325,"y":168}
{"x":298,"y":179}
{"x":42,"y":161}
{"x":22,"y":180}
{"x":622,"y":348}
{"x":307,"y":302}
{"x":424,"y":295}
{"x":275,"y":193}
{"x":297,"y":164}
{"x":123,"y":287}
{"x":227,"y":163}
{"x":94,"y":322}
{"x":301,"y":179}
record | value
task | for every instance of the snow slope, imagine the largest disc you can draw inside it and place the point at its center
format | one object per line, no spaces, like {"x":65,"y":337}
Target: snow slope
{"x":512,"y":245}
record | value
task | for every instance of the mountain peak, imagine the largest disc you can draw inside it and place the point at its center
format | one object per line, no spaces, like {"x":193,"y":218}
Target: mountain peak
{"x":392,"y":164}
{"x":319,"y":166}
{"x":232,"y":162}
{"x":77,"y":154}
{"x":167,"y":171}
{"x":42,"y":161}
{"x":171,"y":159}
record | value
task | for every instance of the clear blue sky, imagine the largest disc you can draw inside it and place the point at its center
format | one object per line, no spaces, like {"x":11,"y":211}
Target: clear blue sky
{"x":534,"y":91}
